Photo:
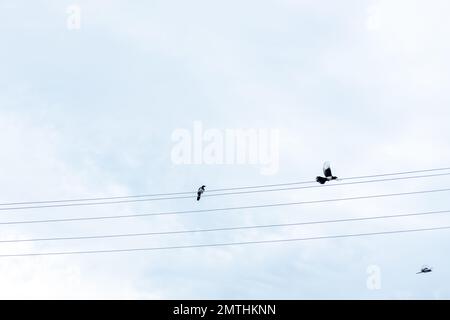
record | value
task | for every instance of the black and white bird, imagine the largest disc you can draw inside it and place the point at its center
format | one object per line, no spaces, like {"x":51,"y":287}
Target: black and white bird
{"x":327,"y":172}
{"x":425,"y":269}
{"x":200,"y":192}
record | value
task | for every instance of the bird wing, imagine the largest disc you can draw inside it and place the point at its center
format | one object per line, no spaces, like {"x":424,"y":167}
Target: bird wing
{"x":327,"y":169}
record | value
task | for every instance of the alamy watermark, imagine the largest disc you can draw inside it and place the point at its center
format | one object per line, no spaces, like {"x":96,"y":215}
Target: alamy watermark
{"x":259,"y":147}
{"x":373,"y":281}
{"x":73,"y":20}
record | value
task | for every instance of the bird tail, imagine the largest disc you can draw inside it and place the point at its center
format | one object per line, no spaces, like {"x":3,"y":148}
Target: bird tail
{"x":321,"y":180}
{"x":198,"y":198}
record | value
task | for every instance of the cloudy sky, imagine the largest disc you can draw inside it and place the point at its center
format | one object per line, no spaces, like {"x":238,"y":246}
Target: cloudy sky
{"x":92,"y":109}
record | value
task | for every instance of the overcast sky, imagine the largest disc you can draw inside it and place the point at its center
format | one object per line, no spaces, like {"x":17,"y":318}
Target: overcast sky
{"x":91,"y":109}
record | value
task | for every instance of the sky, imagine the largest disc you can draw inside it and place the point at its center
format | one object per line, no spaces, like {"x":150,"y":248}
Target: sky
{"x":95,"y":95}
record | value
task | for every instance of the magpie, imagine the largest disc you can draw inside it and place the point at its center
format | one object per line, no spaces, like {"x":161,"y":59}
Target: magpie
{"x":327,"y":172}
{"x":200,"y":192}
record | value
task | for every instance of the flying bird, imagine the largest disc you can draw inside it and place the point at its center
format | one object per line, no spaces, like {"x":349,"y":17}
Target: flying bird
{"x":425,"y":269}
{"x":200,"y":192}
{"x":327,"y":172}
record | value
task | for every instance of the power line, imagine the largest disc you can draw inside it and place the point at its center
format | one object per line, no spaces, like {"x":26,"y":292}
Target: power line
{"x":223,"y":209}
{"x":225,"y":244}
{"x":214,"y":195}
{"x":125,"y":235}
{"x":340,"y":179}
{"x":211,"y":190}
{"x":329,"y":185}
{"x":395,"y":173}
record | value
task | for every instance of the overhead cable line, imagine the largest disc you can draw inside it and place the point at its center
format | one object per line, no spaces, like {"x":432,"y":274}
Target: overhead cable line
{"x":211,"y":190}
{"x":329,"y":185}
{"x":144,"y":234}
{"x":224,"y":244}
{"x":223,"y":209}
{"x":213,"y":195}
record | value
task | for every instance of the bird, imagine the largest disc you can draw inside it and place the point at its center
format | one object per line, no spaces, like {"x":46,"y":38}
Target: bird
{"x":327,"y":172}
{"x":200,"y":192}
{"x":425,"y":269}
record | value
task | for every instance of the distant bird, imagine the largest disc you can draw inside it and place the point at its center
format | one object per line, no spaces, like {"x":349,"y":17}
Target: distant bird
{"x":425,"y":269}
{"x":327,"y":172}
{"x":200,"y":192}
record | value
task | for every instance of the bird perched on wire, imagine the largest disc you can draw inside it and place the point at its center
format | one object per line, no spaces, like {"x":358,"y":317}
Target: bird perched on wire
{"x":327,"y":172}
{"x":200,"y":192}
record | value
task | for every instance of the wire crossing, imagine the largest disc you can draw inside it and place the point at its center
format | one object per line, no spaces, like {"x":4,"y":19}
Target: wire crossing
{"x":53,"y":204}
{"x":384,"y":177}
{"x":127,"y":235}
{"x":191,"y":193}
{"x":224,"y":209}
{"x":224,"y":244}
{"x":330,"y":185}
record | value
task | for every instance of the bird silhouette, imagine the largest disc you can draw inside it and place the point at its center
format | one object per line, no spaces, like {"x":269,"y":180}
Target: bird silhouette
{"x":200,"y":192}
{"x":425,"y":269}
{"x":327,"y":173}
